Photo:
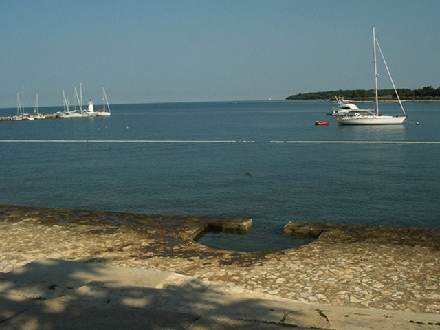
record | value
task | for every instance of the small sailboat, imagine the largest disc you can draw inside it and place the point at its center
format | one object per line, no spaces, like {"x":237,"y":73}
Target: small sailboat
{"x":19,"y":115}
{"x":374,"y":118}
{"x":105,"y":111}
{"x":20,"y":108}
{"x":37,"y":115}
{"x":67,"y":113}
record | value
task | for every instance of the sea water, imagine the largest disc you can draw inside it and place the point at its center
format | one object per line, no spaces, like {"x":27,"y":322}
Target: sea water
{"x":264,"y":160}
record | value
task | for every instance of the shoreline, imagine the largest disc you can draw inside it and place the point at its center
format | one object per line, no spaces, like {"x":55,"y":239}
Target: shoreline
{"x":381,"y":267}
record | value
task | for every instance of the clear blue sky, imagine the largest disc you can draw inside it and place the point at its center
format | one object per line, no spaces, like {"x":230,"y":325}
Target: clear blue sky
{"x":211,"y":50}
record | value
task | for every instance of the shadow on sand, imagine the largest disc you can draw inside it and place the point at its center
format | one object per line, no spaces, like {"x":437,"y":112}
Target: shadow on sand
{"x":56,"y":294}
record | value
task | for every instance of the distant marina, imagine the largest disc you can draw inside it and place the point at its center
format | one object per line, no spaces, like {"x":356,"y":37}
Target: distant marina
{"x":77,"y":112}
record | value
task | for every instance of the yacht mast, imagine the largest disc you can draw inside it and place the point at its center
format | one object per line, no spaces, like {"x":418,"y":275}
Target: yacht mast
{"x":391,"y":78}
{"x":19,"y":107}
{"x":376,"y":98}
{"x":80,"y":97}
{"x":77,"y":101}
{"x":36,"y":104}
{"x":104,"y":99}
{"x":65,"y":102}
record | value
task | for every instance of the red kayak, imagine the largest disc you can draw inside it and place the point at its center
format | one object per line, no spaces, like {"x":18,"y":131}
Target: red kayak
{"x":322,"y":123}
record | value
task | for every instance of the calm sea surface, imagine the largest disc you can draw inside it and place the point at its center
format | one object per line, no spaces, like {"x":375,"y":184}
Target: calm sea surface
{"x":261,"y":160}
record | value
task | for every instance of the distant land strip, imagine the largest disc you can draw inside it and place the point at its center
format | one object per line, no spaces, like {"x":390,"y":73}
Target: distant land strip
{"x":427,"y":93}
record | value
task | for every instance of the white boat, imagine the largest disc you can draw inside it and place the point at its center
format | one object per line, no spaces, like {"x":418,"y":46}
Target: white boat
{"x":374,"y":118}
{"x":67,"y":113}
{"x":345,"y":108}
{"x":37,"y":115}
{"x":28,"y":116}
{"x":19,"y":115}
{"x":76,"y":113}
{"x":84,"y":112}
{"x":105,"y":111}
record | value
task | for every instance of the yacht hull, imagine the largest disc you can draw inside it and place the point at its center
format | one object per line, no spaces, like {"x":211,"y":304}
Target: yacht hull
{"x":371,"y":120}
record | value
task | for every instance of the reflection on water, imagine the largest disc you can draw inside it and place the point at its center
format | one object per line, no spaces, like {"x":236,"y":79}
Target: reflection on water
{"x":374,"y":132}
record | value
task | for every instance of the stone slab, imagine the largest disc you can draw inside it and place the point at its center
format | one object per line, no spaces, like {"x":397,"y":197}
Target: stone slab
{"x":35,"y":296}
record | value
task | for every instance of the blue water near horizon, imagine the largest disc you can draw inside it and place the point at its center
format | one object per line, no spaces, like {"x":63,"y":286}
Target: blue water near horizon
{"x":264,"y":160}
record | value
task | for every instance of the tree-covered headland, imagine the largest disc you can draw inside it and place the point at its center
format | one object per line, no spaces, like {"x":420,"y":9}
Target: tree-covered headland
{"x":427,"y":93}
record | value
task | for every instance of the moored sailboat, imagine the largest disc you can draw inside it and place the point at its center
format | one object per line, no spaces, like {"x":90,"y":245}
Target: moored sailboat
{"x":19,"y":115}
{"x":374,"y":118}
{"x":105,"y":111}
{"x":81,"y":113}
{"x":67,"y":113}
{"x":37,"y":115}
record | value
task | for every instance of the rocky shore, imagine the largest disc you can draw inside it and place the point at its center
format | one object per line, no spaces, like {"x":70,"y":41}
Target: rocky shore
{"x":388,"y":268}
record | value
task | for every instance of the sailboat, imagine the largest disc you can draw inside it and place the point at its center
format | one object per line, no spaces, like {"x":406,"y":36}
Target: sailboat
{"x":375,"y":118}
{"x":105,"y":111}
{"x":66,"y":113}
{"x":37,"y":115}
{"x":19,"y":115}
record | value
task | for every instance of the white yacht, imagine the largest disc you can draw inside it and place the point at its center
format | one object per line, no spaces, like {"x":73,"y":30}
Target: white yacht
{"x":374,"y":118}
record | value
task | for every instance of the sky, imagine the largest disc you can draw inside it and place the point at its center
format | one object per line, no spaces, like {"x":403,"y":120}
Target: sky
{"x":145,"y":51}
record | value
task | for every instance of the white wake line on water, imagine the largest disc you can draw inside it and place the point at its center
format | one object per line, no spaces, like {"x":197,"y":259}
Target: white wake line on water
{"x":219,"y":141}
{"x":123,"y":141}
{"x":359,"y":142}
